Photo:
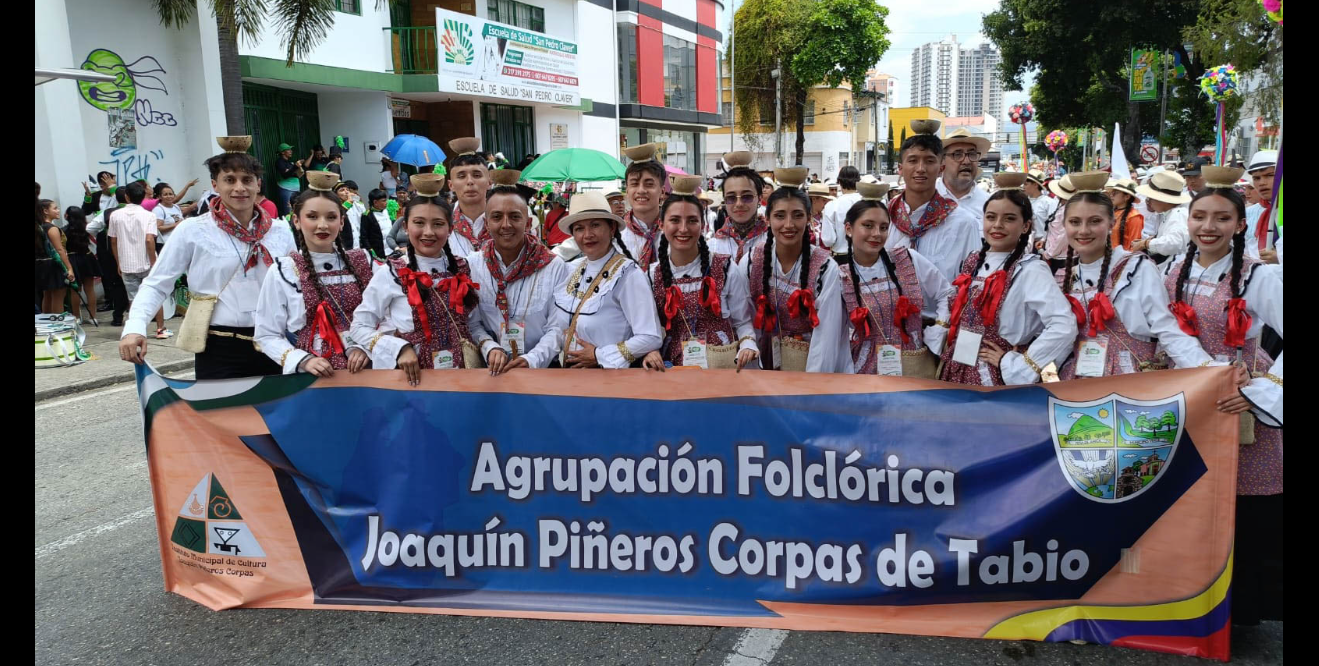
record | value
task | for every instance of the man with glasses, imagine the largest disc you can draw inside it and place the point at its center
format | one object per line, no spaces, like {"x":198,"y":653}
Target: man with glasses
{"x":932,"y":224}
{"x":961,"y":165}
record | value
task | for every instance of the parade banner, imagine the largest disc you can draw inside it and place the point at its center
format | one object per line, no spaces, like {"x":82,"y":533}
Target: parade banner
{"x":1097,"y":509}
{"x":1144,"y":80}
{"x":490,"y":59}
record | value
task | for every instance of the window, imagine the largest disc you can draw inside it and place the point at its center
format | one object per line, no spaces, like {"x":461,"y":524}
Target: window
{"x":348,"y":6}
{"x":847,"y":112}
{"x":527,"y":17}
{"x":727,"y":114}
{"x":627,"y":62}
{"x":679,"y":73}
{"x":808,"y":116}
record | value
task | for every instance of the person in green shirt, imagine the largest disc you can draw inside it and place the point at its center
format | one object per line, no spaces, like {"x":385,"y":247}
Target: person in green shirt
{"x":287,"y":175}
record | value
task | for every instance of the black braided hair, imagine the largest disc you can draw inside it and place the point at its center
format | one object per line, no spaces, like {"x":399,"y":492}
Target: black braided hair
{"x":298,"y":202}
{"x":666,"y":272}
{"x":1122,"y":226}
{"x":1185,"y":273}
{"x":1238,"y":239}
{"x":767,"y":267}
{"x":856,"y":277}
{"x":617,"y":240}
{"x":888,"y":265}
{"x":343,"y":256}
{"x":1017,"y":252}
{"x":1067,"y":269}
{"x":980,"y":257}
{"x":806,"y":259}
{"x":705,"y":266}
{"x":1238,"y":249}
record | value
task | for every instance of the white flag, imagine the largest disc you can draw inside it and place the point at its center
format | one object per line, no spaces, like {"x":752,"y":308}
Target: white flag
{"x":1120,"y":168}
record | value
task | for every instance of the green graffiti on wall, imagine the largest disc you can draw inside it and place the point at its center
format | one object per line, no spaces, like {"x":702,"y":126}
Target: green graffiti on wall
{"x":122,"y":92}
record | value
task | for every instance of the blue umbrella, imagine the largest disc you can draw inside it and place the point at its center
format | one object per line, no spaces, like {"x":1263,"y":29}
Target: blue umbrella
{"x":417,"y":151}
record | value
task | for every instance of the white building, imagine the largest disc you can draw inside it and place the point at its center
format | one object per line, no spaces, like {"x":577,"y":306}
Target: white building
{"x":979,"y":88}
{"x":957,"y":81}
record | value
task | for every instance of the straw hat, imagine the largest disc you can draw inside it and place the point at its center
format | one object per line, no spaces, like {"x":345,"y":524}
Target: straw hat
{"x":1062,"y":187}
{"x":869,"y":179}
{"x":508,"y":177}
{"x":1222,"y":177}
{"x":643,"y":153}
{"x":236,"y":144}
{"x":793,"y":177}
{"x":1126,"y":185}
{"x":615,"y":194}
{"x":1166,"y":186}
{"x":872,"y":191}
{"x":322,"y":181}
{"x":713,"y":197}
{"x":1010,"y":180}
{"x":738,"y":158}
{"x":925,"y":125}
{"x":1088,"y":181}
{"x":1035,"y":176}
{"x":684,"y":186}
{"x":465,"y":146}
{"x":962,"y":136}
{"x":1262,"y":160}
{"x":590,"y":205}
{"x":820,"y":190}
{"x":428,"y":184}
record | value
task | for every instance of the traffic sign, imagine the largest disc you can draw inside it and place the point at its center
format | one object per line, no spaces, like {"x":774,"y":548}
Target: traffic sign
{"x":1149,"y":153}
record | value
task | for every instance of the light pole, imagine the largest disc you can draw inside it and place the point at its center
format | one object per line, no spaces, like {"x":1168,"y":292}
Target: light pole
{"x":778,"y":115}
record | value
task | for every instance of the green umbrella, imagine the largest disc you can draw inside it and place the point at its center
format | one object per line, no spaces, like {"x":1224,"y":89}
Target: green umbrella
{"x":573,"y":164}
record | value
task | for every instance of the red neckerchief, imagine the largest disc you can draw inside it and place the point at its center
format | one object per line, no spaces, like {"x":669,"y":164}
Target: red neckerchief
{"x":936,"y":212}
{"x":463,"y":225}
{"x":1262,"y":225}
{"x":412,"y":281}
{"x":534,"y":257}
{"x":728,"y":231}
{"x":225,"y":221}
{"x":646,"y":255}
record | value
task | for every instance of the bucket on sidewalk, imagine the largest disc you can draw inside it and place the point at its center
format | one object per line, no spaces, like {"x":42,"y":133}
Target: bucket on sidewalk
{"x":59,"y":341}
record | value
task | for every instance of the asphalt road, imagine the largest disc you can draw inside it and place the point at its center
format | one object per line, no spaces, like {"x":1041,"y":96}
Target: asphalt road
{"x":100,"y":597}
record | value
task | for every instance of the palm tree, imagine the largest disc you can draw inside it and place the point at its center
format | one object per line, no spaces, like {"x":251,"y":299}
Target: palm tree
{"x":304,"y":24}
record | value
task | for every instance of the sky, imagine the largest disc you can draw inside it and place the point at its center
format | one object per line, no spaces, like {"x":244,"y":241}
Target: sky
{"x":912,"y":24}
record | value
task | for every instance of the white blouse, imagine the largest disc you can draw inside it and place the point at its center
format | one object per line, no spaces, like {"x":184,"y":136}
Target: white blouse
{"x":1033,"y":309}
{"x":830,"y":350}
{"x":1263,"y":296}
{"x":280,"y":310}
{"x":1141,"y":304}
{"x":734,"y":300}
{"x":210,"y":257}
{"x":385,"y":310}
{"x":728,"y":246}
{"x":947,"y":245}
{"x":460,"y":246}
{"x":530,"y":301}
{"x":619,"y":314}
{"x":935,"y":292}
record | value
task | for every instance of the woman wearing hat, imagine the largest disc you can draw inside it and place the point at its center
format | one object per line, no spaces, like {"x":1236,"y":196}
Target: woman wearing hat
{"x":1055,"y":236}
{"x":1117,"y":296}
{"x":1225,"y":299}
{"x":518,"y":277}
{"x":1008,"y":319}
{"x":819,"y":194}
{"x":1043,"y":205}
{"x":605,"y":310}
{"x":1165,"y":196}
{"x":886,"y":295}
{"x":1129,"y":224}
{"x":795,"y":288}
{"x":316,"y":290}
{"x":645,"y":179}
{"x":703,"y":301}
{"x":744,"y":228}
{"x":469,"y":179}
{"x":419,"y":310}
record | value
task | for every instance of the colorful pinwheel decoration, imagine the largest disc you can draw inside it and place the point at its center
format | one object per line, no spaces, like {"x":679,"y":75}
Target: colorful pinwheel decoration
{"x":1274,"y":9}
{"x":1021,"y":114}
{"x":1220,"y":83}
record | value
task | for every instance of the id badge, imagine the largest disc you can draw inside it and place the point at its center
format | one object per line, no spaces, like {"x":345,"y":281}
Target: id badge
{"x":889,"y":361}
{"x":693,"y":353}
{"x":442,"y":360}
{"x":514,"y":336}
{"x":1091,"y":357}
{"x":1126,"y":362}
{"x":967,"y":349}
{"x":776,"y":350}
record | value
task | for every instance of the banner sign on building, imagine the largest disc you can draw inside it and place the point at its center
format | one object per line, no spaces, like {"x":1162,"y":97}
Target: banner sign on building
{"x":1144,"y":75}
{"x":489,"y":59}
{"x":1098,"y":509}
{"x":400,"y":108}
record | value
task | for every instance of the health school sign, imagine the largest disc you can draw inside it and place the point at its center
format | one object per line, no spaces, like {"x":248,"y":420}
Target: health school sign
{"x":489,"y":59}
{"x":1099,"y":509}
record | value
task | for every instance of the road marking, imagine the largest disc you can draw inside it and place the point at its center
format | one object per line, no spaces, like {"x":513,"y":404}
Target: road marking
{"x":756,"y":647}
{"x":72,"y":540}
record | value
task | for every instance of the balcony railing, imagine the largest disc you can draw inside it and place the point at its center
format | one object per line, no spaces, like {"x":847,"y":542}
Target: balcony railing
{"x":413,"y":49}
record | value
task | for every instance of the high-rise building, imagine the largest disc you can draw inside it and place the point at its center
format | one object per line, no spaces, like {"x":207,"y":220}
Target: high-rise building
{"x":957,"y":81}
{"x":877,"y":81}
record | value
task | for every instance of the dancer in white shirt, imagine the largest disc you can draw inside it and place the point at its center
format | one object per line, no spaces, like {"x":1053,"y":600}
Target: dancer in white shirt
{"x":744,"y":226}
{"x":469,"y":179}
{"x":924,"y":220}
{"x":645,"y":181}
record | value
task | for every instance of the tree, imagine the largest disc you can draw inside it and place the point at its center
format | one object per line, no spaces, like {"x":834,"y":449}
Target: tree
{"x":303,"y":24}
{"x":1168,"y":420}
{"x":809,"y":43}
{"x":1142,"y":423}
{"x":888,"y":148}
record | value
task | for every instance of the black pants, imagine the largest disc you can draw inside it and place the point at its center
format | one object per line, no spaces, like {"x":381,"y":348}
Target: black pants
{"x":228,"y":358}
{"x":1257,"y":573}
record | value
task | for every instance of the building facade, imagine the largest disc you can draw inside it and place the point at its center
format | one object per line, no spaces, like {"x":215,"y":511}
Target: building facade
{"x":979,"y":88}
{"x":957,"y":81}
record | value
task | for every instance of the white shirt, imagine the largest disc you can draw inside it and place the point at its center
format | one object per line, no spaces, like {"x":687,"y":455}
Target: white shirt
{"x":973,"y":201}
{"x":1263,"y":294}
{"x":1033,"y":309}
{"x":1043,"y":208}
{"x":935,"y":293}
{"x":946,"y":245}
{"x":1172,"y":235}
{"x":1252,"y":227}
{"x":211,"y":258}
{"x":619,"y":311}
{"x":634,"y":242}
{"x":830,"y":350}
{"x":354,"y":225}
{"x":833,"y":226}
{"x":530,"y":301}
{"x":734,"y":302}
{"x":728,"y":246}
{"x":167,"y":215}
{"x":1141,"y":304}
{"x":381,"y":219}
{"x":280,"y":308}
{"x":385,"y":311}
{"x":107,"y":200}
{"x":388,"y":180}
{"x":131,"y":226}
{"x":458,"y":243}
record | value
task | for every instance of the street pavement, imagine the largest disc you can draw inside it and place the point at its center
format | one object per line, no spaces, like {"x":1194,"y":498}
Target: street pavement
{"x":100,"y":596}
{"x":105,"y":368}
